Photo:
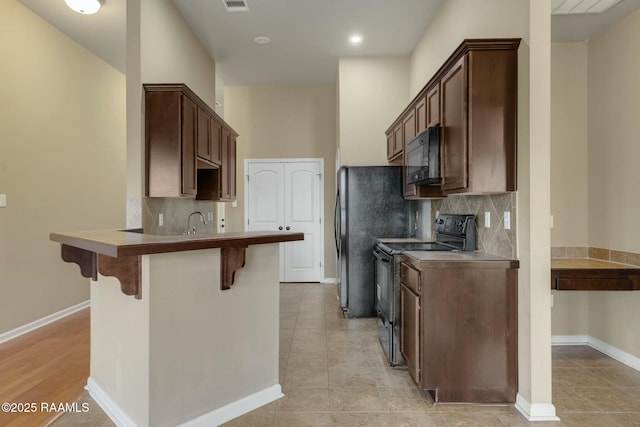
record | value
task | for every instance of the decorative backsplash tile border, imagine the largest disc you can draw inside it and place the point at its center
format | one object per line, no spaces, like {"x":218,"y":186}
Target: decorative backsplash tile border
{"x":596,"y":253}
{"x":496,"y":239}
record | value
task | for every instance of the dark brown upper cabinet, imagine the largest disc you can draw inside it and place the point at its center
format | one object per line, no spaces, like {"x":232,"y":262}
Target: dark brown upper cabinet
{"x":421,"y":115}
{"x":184,"y":146}
{"x":454,"y":127}
{"x":433,"y":106}
{"x":209,"y":134}
{"x":473,"y":96}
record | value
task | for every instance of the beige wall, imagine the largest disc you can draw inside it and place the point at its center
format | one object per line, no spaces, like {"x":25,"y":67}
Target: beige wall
{"x":285,"y":122}
{"x":569,"y":174}
{"x":610,"y":64}
{"x":62,"y":161}
{"x":457,"y":20}
{"x":165,"y":359}
{"x":614,"y":150}
{"x":161,"y":49}
{"x":454,"y":21}
{"x":569,"y":144}
{"x":372,"y":93}
{"x":614,"y":109}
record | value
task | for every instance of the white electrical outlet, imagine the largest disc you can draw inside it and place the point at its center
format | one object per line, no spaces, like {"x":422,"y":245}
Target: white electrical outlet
{"x":487,"y":219}
{"x":234,"y":204}
{"x":3,"y":200}
{"x":507,"y":220}
{"x":160,"y":219}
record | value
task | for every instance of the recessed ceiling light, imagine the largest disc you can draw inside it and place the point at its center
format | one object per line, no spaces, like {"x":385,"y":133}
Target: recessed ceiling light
{"x":262,"y":40}
{"x":355,"y":39}
{"x":86,"y":7}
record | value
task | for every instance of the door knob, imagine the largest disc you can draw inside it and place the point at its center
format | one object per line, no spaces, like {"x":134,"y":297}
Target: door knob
{"x":280,"y":228}
{"x":288,"y":228}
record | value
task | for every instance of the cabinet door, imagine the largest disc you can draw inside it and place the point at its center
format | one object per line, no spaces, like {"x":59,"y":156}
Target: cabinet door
{"x":409,"y":127}
{"x":398,"y":140}
{"x":390,"y":146}
{"x":421,"y":115}
{"x":224,"y":166}
{"x":216,"y":141}
{"x":454,"y":127}
{"x":231,"y":166}
{"x":189,"y":129}
{"x":410,"y":331}
{"x":204,"y":135}
{"x":433,"y":106}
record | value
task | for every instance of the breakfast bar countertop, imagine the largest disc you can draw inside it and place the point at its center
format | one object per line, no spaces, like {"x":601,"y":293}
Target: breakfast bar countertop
{"x":122,"y":243}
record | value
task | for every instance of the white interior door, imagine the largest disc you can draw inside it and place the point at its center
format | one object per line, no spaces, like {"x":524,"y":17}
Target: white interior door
{"x":266,"y":196}
{"x":302,"y":214}
{"x":287,"y":196}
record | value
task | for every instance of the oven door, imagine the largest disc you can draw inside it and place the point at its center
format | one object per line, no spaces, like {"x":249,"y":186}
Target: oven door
{"x":383,"y":278}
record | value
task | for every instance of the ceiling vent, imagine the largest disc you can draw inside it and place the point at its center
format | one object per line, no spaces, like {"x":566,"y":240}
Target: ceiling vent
{"x":236,"y":5}
{"x":574,"y":7}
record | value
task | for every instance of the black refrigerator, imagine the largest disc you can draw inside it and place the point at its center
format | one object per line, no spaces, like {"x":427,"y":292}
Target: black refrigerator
{"x":369,"y":205}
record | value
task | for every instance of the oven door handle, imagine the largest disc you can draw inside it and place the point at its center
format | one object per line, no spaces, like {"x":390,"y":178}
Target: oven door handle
{"x":380,"y":256}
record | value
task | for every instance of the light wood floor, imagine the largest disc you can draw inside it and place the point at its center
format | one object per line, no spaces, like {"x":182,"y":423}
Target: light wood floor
{"x":48,"y":365}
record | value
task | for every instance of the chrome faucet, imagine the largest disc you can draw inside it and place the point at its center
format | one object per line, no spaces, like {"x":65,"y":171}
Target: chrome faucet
{"x":192,"y":230}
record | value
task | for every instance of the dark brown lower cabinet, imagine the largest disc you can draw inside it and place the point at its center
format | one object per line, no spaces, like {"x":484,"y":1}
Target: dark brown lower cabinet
{"x":410,"y":331}
{"x":467,"y":349}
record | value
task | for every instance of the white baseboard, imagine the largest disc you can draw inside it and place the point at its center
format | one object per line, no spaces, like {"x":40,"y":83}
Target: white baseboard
{"x":235,"y":409}
{"x":611,"y":351}
{"x":536,"y":411}
{"x":569,"y":339}
{"x":332,"y":280}
{"x":14,"y":333}
{"x":214,"y":418}
{"x":111,"y":408}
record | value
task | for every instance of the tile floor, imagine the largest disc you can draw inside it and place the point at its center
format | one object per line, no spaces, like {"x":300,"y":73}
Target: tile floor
{"x":333,"y":373}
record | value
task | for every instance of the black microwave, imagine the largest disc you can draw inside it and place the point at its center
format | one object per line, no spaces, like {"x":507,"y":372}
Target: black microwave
{"x":423,"y":158}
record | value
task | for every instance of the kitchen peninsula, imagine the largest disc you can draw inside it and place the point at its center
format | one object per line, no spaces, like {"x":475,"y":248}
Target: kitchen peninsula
{"x":186,"y":332}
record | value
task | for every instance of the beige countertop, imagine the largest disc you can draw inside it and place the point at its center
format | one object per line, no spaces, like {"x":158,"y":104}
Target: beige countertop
{"x":587,"y":263}
{"x":116,"y":243}
{"x":454,"y":256}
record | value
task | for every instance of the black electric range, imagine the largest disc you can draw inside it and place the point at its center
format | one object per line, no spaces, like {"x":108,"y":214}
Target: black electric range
{"x":454,"y":233}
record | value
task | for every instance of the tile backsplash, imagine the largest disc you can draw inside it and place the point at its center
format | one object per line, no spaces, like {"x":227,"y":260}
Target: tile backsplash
{"x":622,"y":257}
{"x":495,"y":239}
{"x":176,"y":212}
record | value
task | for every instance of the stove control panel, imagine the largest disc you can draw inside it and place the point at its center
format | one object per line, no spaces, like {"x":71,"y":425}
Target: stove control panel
{"x":454,"y":224}
{"x":458,"y":230}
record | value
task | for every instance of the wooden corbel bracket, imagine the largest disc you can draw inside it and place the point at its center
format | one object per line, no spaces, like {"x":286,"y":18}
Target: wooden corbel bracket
{"x":126,"y":269}
{"x":231,"y":259}
{"x":86,"y":260}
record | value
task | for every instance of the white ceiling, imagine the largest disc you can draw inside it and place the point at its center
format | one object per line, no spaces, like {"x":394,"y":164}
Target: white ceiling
{"x":103,"y":33}
{"x":307,"y":36}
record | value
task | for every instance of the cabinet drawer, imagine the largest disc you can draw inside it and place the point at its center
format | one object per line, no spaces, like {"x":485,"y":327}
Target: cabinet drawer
{"x":411,"y":278}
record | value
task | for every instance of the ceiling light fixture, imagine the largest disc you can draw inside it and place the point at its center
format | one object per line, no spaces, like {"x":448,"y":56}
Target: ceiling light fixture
{"x":576,"y":7}
{"x":262,"y":40}
{"x":355,"y":39}
{"x":86,"y":7}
